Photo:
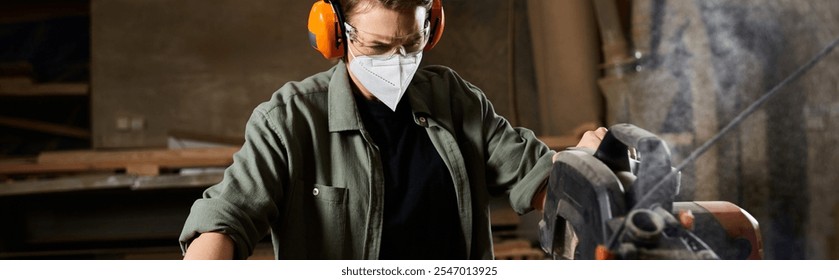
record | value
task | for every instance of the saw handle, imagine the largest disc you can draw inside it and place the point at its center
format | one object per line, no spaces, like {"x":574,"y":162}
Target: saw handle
{"x":654,"y":163}
{"x":620,"y":137}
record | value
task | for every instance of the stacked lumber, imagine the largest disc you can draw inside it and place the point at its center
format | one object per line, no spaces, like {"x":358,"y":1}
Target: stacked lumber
{"x":16,"y":79}
{"x":517,"y":249}
{"x":508,"y":242}
{"x":136,"y":162}
{"x":569,"y":140}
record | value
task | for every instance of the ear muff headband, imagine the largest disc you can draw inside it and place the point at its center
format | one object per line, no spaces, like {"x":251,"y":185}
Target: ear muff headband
{"x":326,"y":27}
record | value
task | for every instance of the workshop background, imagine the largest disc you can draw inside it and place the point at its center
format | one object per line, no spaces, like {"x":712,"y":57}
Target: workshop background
{"x":116,"y":114}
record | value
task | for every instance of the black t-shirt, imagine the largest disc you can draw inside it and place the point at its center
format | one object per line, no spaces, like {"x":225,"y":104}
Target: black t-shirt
{"x":421,"y":218}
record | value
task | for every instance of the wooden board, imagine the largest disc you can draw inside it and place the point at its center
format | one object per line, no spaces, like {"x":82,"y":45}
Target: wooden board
{"x":138,"y":162}
{"x":25,"y":86}
{"x":109,"y":182}
{"x":57,"y":129}
{"x":517,"y":249}
{"x":559,"y":142}
{"x":568,"y":140}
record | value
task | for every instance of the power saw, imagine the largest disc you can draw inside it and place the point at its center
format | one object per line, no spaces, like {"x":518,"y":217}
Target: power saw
{"x":618,"y":203}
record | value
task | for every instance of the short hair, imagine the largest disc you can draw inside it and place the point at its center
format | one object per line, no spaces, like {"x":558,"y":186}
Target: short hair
{"x":351,"y":7}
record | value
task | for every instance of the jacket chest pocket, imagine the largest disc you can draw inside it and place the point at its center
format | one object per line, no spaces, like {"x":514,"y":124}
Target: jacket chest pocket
{"x":329,"y":195}
{"x":328,"y":221}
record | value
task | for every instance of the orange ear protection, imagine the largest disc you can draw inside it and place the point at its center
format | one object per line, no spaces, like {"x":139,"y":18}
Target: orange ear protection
{"x":327,"y":34}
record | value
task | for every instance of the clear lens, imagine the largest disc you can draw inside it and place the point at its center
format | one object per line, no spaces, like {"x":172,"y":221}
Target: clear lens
{"x":409,"y":45}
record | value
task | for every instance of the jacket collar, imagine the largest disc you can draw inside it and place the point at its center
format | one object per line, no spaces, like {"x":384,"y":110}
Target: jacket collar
{"x":343,"y":112}
{"x":431,"y":105}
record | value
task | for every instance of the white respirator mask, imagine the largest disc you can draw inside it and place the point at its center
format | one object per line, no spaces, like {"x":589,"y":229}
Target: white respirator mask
{"x":387,"y":77}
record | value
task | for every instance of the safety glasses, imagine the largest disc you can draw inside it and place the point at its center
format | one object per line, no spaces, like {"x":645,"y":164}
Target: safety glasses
{"x":364,"y":43}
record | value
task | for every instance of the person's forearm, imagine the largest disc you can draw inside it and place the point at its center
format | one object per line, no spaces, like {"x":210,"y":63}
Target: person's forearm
{"x":210,"y":246}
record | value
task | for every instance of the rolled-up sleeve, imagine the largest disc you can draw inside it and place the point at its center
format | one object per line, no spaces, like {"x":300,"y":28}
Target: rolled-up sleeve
{"x":244,"y":204}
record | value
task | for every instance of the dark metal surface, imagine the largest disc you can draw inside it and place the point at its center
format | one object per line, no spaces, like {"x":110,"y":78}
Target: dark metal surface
{"x":583,"y":192}
{"x":625,"y":216}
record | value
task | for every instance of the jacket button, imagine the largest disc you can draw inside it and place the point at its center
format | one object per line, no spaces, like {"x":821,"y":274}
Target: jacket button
{"x":315,"y":191}
{"x":422,"y":121}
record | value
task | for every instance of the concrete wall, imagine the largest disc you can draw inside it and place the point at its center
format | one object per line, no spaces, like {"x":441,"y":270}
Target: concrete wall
{"x":191,"y":66}
{"x":198,"y":67}
{"x":706,"y":61}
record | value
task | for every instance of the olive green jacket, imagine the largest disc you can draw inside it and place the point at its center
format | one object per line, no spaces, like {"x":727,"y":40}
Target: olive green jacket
{"x":310,"y":174}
